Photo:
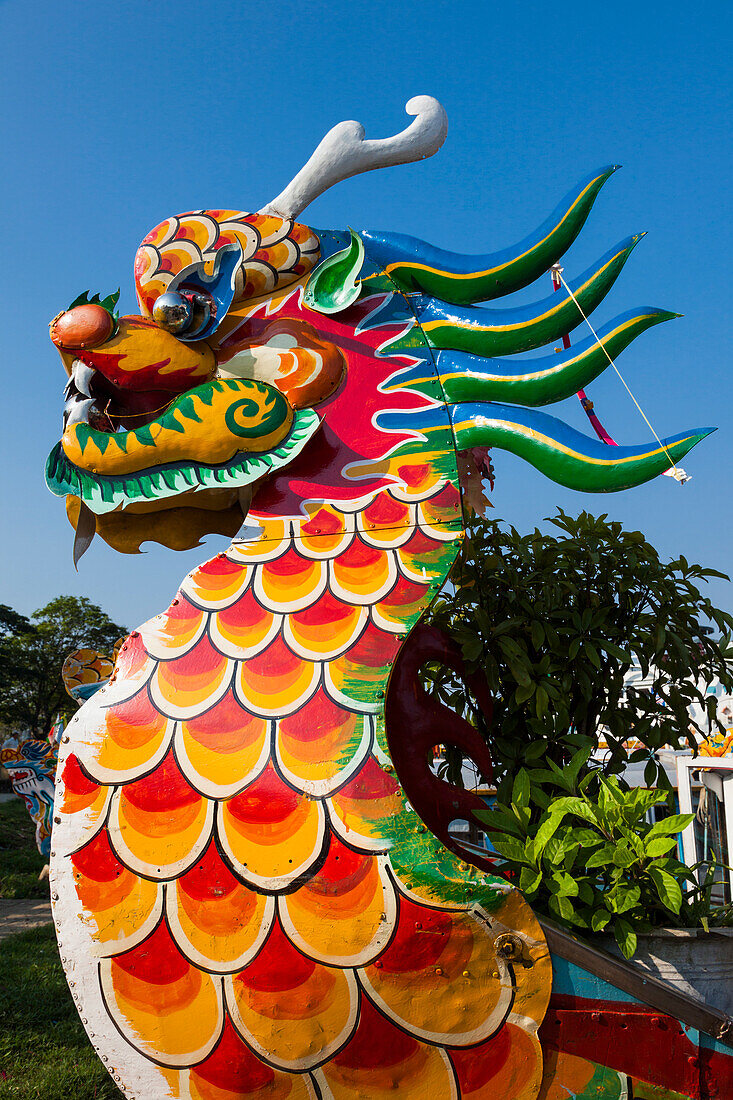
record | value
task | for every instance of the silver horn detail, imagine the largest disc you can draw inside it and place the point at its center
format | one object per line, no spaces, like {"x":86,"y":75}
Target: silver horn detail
{"x":344,"y":152}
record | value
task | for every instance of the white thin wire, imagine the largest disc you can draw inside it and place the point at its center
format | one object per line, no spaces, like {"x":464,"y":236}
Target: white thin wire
{"x":618,"y":372}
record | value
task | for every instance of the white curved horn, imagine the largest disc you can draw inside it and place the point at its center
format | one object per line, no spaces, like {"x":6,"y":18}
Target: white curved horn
{"x":344,"y":152}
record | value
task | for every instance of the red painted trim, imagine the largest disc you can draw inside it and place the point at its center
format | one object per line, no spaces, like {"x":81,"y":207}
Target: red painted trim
{"x":638,"y":1041}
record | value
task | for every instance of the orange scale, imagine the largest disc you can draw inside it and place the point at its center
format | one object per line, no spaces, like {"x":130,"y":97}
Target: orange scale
{"x":133,"y":736}
{"x":398,"y":611}
{"x":508,"y":1064}
{"x":325,"y":629}
{"x":386,"y":521}
{"x":233,"y":1072}
{"x":290,"y":582}
{"x":363,"y":574}
{"x":81,"y":795}
{"x":270,"y":832}
{"x":381,"y":1060}
{"x":360,"y":673}
{"x":318,"y":744}
{"x":443,"y":505}
{"x":166,"y":1008}
{"x":222,"y":749}
{"x":288,"y":1008}
{"x":175,"y":631}
{"x":218,"y":582}
{"x":435,"y":978}
{"x":326,"y":533}
{"x":280,"y":255}
{"x":245,"y":628}
{"x":345,"y":914}
{"x":418,"y":479}
{"x":276,"y":682}
{"x":159,"y":824}
{"x":259,"y":280}
{"x":121,"y":907}
{"x":441,"y":517}
{"x":218,"y":922}
{"x":187,"y":685}
{"x":423,"y":558}
{"x":364,"y":808}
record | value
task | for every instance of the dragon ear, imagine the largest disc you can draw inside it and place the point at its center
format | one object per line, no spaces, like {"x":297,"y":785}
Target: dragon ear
{"x":334,"y":285}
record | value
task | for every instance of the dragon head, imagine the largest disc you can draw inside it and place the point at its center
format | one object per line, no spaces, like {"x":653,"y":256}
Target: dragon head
{"x":275,"y":361}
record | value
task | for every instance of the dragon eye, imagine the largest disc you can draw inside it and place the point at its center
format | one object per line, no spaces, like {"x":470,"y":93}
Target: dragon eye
{"x":172,"y":312}
{"x":84,"y":326}
{"x":185,"y":312}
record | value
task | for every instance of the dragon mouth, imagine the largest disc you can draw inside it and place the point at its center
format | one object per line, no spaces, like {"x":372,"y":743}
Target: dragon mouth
{"x":224,"y":434}
{"x":91,"y":398}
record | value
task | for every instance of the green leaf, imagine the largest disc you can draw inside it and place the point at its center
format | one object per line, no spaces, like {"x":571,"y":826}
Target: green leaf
{"x":529,"y":880}
{"x":668,"y":888}
{"x":623,"y":855}
{"x":650,"y":771}
{"x":669,"y":825}
{"x":556,"y":850}
{"x":521,"y":788}
{"x":510,"y":848}
{"x":334,"y":285}
{"x":599,"y":920}
{"x":524,"y":692}
{"x":659,"y":846}
{"x":600,"y":858}
{"x":547,"y":829}
{"x":564,"y":885}
{"x":562,"y":906}
{"x":625,"y":937}
{"x":497,"y":818}
{"x":623,"y":898}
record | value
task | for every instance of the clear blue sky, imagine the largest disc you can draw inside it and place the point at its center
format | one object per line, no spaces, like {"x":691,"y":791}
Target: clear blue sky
{"x":118,"y":115}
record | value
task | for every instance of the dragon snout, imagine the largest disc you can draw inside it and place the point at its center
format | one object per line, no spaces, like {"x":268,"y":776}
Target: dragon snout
{"x":84,"y":326}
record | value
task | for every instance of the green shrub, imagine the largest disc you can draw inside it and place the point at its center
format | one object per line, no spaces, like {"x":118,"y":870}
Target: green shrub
{"x":590,"y":859}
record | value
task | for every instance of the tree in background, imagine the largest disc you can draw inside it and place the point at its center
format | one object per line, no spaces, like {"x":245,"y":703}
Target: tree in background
{"x":555,"y":622}
{"x":33,"y":650}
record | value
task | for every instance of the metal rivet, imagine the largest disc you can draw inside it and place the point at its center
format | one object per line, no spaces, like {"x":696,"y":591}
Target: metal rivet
{"x":57,"y":820}
{"x":438,"y":970}
{"x":466,"y":974}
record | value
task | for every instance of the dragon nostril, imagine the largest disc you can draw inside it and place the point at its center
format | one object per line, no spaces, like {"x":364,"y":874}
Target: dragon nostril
{"x":84,"y":326}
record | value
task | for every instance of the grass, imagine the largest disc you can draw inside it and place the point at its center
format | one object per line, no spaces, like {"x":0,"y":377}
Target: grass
{"x":20,"y":860}
{"x":44,"y":1051}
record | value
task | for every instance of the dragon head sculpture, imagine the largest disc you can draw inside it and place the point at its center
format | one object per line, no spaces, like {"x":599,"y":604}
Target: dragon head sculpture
{"x":355,"y":360}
